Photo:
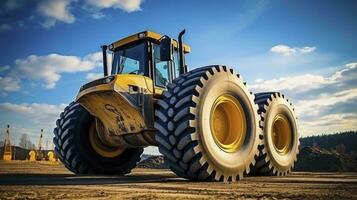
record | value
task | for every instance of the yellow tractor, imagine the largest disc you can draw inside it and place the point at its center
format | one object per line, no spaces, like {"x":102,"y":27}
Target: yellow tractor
{"x":206,"y":123}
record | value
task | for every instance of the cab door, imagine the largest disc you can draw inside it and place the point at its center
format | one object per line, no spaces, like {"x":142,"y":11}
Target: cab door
{"x":162,"y":71}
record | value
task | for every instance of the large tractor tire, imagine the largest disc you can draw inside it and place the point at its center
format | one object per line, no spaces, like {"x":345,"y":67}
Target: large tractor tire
{"x":78,"y":147}
{"x":208,"y":125}
{"x":280,"y":146}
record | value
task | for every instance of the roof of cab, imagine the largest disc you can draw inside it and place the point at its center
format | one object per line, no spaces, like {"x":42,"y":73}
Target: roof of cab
{"x":146,"y":35}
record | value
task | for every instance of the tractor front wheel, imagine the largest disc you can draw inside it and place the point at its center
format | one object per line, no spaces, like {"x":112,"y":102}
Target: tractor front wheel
{"x":79,"y":148}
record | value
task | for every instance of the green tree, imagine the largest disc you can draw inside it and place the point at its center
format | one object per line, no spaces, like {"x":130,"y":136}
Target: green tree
{"x":25,"y":142}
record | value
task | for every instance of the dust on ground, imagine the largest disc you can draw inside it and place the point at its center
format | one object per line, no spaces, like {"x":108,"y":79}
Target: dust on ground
{"x":44,"y":180}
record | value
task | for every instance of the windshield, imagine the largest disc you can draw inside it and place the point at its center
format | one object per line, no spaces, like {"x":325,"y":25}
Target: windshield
{"x":130,"y":60}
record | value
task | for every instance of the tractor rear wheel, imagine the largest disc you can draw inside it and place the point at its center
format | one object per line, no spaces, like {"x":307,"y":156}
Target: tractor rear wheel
{"x":208,"y":125}
{"x":78,"y":147}
{"x":280,"y":146}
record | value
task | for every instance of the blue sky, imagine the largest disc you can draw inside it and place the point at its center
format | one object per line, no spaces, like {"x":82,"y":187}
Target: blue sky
{"x":306,"y":49}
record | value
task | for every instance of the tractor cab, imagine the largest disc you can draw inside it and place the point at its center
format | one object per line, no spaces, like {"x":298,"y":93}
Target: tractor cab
{"x":142,"y":54}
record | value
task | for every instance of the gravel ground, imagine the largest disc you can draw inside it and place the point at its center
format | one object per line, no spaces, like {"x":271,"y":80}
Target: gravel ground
{"x":44,"y":180}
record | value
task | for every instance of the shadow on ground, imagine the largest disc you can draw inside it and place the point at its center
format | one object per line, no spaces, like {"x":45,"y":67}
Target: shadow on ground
{"x":65,"y":179}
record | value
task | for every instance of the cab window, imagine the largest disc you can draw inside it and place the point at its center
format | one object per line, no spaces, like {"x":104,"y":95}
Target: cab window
{"x":130,"y":60}
{"x":176,"y":64}
{"x":161,"y":69}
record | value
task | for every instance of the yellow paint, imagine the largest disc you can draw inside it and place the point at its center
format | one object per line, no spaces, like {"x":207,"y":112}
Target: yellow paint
{"x":121,"y":83}
{"x":51,"y":156}
{"x":32,"y":156}
{"x":228,"y":123}
{"x":282,"y":134}
{"x":159,"y":91}
{"x":99,"y":147}
{"x":150,"y":35}
{"x":7,"y":150}
{"x":108,"y":102}
{"x":7,"y":156}
{"x":124,"y":81}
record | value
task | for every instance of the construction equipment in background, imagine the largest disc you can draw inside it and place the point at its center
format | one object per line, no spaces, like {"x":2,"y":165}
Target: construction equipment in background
{"x":206,"y":122}
{"x":32,"y":155}
{"x":51,"y":156}
{"x":39,"y":152}
{"x":7,"y":154}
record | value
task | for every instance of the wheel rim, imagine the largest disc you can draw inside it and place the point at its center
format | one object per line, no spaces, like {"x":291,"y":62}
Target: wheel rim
{"x":99,"y":147}
{"x":228,"y":123}
{"x":282,"y":134}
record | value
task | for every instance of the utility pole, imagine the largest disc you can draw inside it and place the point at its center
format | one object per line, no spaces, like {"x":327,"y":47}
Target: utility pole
{"x":39,"y":154}
{"x":7,"y":145}
{"x":40,"y":141}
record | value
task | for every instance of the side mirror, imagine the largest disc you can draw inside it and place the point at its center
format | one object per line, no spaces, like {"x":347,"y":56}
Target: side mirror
{"x":166,"y":49}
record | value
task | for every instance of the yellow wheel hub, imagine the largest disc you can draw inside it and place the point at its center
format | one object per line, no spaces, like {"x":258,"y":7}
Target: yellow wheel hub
{"x":282,"y":134}
{"x":228,"y":123}
{"x":99,"y":147}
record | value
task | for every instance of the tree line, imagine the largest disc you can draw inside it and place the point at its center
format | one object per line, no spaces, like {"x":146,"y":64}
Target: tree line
{"x":25,"y":142}
{"x":344,"y":142}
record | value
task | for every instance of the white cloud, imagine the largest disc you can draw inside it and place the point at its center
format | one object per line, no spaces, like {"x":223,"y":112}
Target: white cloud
{"x":93,"y":76}
{"x":283,"y":49}
{"x":307,"y":49}
{"x":55,"y":10}
{"x":126,"y":5}
{"x":331,"y":123}
{"x":351,"y":65}
{"x":97,"y":15}
{"x":34,"y":110}
{"x":300,"y":83}
{"x":349,"y":69}
{"x":313,"y":107}
{"x":50,"y":12}
{"x":288,"y":51}
{"x":304,"y":82}
{"x":30,"y":118}
{"x":324,"y":104}
{"x":5,"y":27}
{"x":9,"y":84}
{"x":35,"y":113}
{"x":47,"y":69}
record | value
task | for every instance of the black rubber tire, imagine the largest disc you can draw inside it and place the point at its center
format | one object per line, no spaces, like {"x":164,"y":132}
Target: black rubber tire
{"x":74,"y":150}
{"x":182,"y":137}
{"x":269,"y":162}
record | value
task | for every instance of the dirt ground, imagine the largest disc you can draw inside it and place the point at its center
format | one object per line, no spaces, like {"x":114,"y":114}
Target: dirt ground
{"x":42,"y":180}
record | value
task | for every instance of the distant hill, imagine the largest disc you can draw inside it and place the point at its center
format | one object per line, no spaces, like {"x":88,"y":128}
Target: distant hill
{"x":153,"y":162}
{"x":319,"y":159}
{"x":344,"y":142}
{"x":324,"y":153}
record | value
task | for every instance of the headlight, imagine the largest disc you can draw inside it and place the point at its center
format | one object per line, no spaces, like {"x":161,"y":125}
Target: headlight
{"x":141,"y":35}
{"x":111,"y":47}
{"x":108,"y":79}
